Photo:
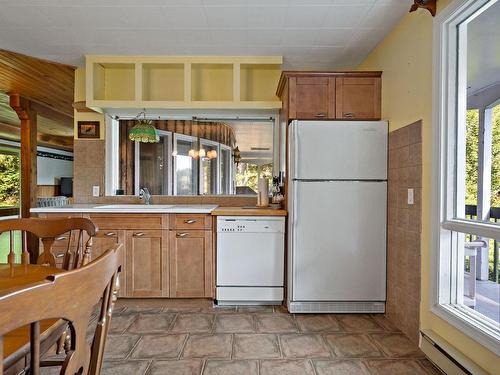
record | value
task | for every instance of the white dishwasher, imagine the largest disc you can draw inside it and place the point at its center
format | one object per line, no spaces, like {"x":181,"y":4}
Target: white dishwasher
{"x":250,"y":260}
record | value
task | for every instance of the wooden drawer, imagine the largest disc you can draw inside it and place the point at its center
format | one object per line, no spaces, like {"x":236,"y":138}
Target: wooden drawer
{"x":191,"y":221}
{"x":129,"y":221}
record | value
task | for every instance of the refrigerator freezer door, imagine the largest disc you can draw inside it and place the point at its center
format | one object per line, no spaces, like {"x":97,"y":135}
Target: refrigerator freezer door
{"x":339,"y":241}
{"x":338,"y":150}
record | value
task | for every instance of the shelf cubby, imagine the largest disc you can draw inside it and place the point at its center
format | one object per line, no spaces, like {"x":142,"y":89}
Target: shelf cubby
{"x":211,"y":82}
{"x":114,"y":81}
{"x":163,"y":82}
{"x":258,"y":82}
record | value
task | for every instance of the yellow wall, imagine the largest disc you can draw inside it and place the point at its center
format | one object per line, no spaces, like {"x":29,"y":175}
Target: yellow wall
{"x":80,"y":96}
{"x":405,"y":57}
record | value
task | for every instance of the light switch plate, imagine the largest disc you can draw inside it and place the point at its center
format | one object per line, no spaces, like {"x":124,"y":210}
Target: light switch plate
{"x":410,"y":196}
{"x":95,"y":191}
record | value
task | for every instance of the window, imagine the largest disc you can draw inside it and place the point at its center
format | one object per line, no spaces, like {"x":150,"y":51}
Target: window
{"x":185,"y":165}
{"x":192,"y":157}
{"x":466,"y":182}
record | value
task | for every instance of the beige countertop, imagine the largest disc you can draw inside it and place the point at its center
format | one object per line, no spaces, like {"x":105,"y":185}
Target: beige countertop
{"x":247,"y":211}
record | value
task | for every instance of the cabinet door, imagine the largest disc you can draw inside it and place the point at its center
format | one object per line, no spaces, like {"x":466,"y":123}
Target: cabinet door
{"x":147,"y":263}
{"x":103,"y":241}
{"x":191,"y":263}
{"x":358,"y":98}
{"x":311,"y":98}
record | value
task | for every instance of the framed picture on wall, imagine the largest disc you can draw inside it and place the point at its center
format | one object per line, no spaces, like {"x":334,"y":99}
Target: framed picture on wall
{"x":89,"y":129}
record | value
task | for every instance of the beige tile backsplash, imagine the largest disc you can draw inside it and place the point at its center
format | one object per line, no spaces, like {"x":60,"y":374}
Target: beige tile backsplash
{"x":404,"y":229}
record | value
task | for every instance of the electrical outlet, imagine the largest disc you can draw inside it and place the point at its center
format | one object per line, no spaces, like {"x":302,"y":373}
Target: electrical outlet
{"x":410,"y":196}
{"x":95,"y":190}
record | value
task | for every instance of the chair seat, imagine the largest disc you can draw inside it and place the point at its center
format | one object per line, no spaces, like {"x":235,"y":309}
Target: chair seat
{"x":17,"y":342}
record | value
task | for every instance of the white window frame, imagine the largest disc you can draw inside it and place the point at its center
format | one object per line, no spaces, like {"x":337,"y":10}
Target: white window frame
{"x":137,"y":162}
{"x":183,"y":137}
{"x":449,"y":105}
{"x":230,"y":176}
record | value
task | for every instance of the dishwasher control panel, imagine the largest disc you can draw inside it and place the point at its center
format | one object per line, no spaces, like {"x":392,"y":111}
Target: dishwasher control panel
{"x":249,"y":224}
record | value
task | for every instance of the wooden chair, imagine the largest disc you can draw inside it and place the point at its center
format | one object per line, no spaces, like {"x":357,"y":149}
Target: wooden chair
{"x":71,"y":296}
{"x":66,"y":238}
{"x":73,"y":237}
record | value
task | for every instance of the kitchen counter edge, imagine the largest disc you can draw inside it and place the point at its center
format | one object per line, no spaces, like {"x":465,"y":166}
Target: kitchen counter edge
{"x":180,"y":209}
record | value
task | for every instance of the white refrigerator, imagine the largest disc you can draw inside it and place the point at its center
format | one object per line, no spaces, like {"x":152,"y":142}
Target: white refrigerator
{"x":337,"y":201}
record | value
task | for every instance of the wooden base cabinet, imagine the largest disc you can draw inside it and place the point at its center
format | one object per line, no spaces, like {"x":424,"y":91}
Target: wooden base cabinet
{"x":191,"y":264}
{"x":102,"y":241}
{"x":165,"y":255}
{"x":146,"y":266}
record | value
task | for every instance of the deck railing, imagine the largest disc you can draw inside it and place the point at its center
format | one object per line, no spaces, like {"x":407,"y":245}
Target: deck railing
{"x":471,"y":213}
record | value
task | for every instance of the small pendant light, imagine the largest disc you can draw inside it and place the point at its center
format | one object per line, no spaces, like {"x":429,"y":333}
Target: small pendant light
{"x":143,"y":130}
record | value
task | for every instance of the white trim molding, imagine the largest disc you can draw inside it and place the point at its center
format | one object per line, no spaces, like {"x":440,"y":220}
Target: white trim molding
{"x":448,"y":223}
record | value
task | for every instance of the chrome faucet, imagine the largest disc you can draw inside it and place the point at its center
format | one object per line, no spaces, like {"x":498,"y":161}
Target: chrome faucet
{"x":146,"y":195}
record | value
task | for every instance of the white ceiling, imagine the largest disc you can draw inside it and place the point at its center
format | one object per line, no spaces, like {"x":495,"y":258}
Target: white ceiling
{"x":316,"y":34}
{"x":483,"y":50}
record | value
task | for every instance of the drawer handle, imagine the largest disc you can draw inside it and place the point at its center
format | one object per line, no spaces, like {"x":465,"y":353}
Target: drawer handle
{"x":348,"y":114}
{"x":60,"y":255}
{"x":110,"y":234}
{"x":62,"y":238}
{"x":190,"y":221}
{"x":139,"y":234}
{"x":183,"y":234}
{"x":321,"y":114}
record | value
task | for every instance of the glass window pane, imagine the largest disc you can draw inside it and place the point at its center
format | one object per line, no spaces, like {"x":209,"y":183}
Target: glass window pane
{"x":481,"y":292}
{"x":478,"y":162}
{"x":225,"y":171}
{"x":186,"y":166}
{"x":153,"y":171}
{"x":248,"y":174}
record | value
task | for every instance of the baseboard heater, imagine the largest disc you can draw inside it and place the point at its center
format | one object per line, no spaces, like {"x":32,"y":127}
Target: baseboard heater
{"x":445,"y":357}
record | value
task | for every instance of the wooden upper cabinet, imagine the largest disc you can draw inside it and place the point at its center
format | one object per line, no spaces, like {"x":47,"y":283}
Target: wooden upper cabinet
{"x":330,"y":95}
{"x":358,"y":98}
{"x":147,"y":263}
{"x":191,"y":265}
{"x":311,"y":98}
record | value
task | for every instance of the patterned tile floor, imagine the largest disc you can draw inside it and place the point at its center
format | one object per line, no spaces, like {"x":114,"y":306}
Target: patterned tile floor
{"x":191,"y":337}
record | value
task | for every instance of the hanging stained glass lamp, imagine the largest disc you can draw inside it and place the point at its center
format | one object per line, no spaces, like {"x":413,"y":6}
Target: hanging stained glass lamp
{"x":143,"y":130}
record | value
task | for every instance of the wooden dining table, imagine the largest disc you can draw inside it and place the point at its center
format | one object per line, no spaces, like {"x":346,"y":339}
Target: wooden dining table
{"x":21,"y":275}
{"x":16,"y":343}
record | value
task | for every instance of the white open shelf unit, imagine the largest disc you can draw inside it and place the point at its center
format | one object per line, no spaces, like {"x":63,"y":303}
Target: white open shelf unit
{"x":182,"y":82}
